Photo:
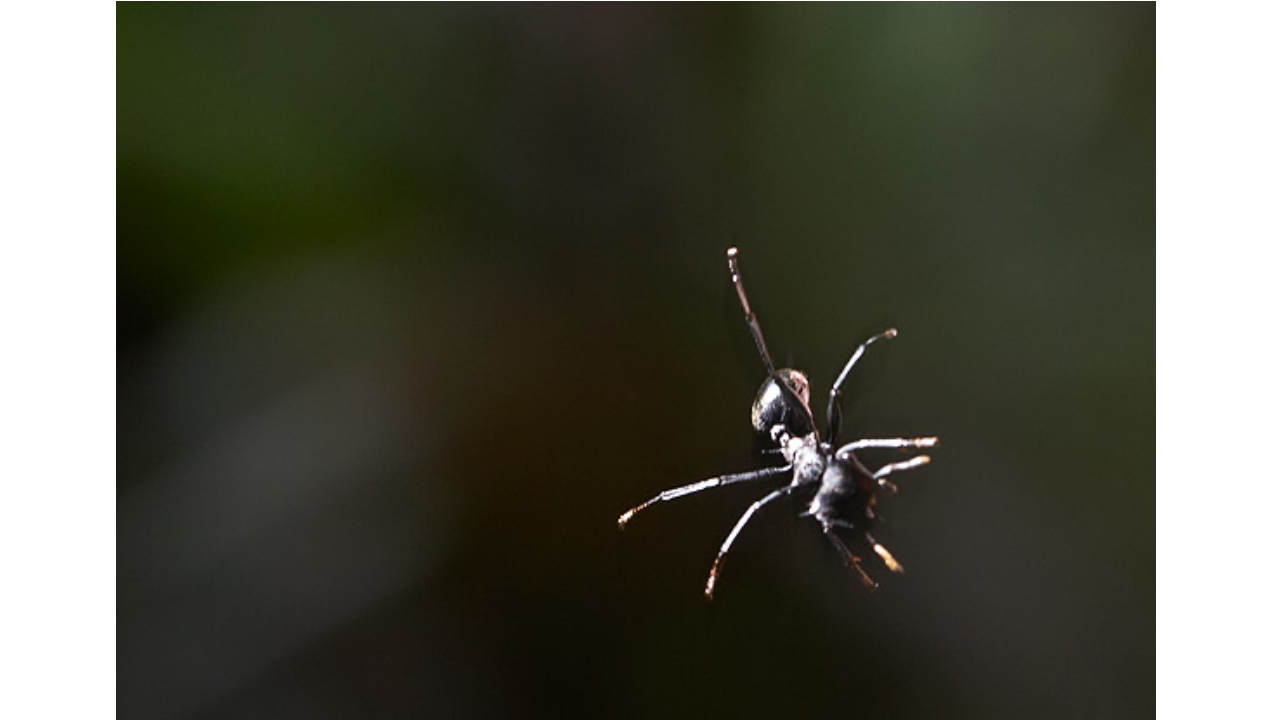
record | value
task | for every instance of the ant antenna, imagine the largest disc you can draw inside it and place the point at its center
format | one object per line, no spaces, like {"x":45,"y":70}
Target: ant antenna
{"x":736,"y":274}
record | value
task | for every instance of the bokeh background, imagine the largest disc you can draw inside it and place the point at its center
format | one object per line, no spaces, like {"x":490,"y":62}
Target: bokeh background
{"x":414,"y":300}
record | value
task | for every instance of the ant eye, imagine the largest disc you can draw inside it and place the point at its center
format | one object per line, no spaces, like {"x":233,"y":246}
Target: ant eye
{"x":800,"y":383}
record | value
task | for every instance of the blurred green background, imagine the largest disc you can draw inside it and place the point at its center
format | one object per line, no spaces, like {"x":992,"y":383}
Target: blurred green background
{"x":414,"y":300}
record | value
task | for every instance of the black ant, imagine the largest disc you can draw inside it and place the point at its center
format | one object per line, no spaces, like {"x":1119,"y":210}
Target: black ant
{"x":781,"y":412}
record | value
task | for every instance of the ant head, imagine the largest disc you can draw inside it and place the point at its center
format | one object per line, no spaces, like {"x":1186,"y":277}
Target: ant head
{"x":788,"y":405}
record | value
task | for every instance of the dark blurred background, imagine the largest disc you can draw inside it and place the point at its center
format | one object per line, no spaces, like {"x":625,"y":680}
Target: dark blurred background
{"x":414,"y":300}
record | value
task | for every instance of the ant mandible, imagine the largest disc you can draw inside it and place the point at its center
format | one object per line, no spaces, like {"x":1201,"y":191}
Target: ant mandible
{"x":781,"y":412}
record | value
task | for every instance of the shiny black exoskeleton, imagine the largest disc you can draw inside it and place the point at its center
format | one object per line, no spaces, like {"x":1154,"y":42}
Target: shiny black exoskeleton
{"x":846,"y":489}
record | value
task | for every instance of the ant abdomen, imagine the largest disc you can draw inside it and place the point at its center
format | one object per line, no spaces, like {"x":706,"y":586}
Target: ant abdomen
{"x":835,"y":494}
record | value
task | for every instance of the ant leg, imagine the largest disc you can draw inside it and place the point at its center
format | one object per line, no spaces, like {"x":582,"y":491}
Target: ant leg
{"x":833,"y":406}
{"x":846,"y":453}
{"x":733,"y":534}
{"x":884,"y":554}
{"x":924,"y":442}
{"x":736,"y":274}
{"x":850,"y":559}
{"x":880,"y":474}
{"x":692,"y":488}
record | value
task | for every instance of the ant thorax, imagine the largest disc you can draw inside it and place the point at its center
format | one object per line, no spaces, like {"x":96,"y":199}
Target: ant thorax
{"x":804,"y":455}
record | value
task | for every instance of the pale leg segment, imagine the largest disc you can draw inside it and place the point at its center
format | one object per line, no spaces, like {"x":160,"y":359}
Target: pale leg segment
{"x":692,"y":488}
{"x":880,"y":474}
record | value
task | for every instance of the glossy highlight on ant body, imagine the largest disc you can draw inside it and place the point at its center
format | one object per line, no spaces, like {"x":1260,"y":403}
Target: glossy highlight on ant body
{"x":846,"y":488}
